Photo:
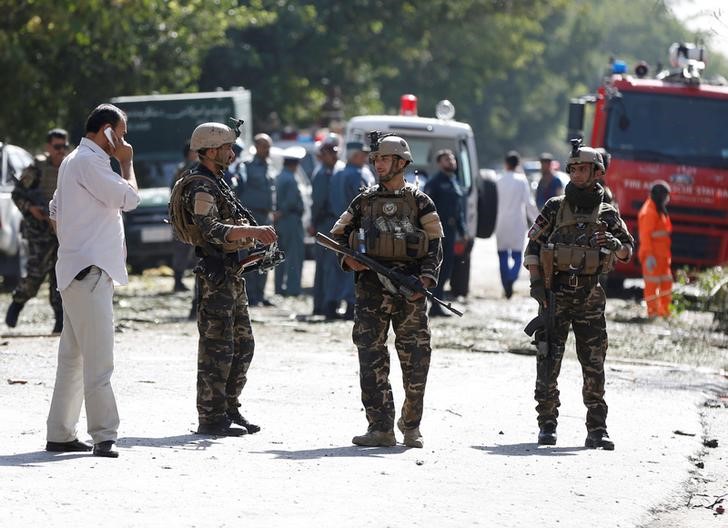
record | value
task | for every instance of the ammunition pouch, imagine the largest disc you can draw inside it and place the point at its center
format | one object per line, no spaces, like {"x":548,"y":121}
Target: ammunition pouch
{"x":395,"y":246}
{"x":391,"y":225}
{"x":576,"y":260}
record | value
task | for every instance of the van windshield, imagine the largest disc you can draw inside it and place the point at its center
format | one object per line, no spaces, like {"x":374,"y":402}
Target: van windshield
{"x":668,"y":128}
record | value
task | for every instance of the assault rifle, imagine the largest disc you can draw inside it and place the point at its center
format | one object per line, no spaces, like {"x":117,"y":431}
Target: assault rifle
{"x":260,"y":258}
{"x":407,"y":285}
{"x":545,"y":319}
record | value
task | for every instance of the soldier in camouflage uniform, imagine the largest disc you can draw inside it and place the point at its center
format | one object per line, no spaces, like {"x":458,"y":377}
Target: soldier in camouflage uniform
{"x":574,"y":239}
{"x":31,"y":195}
{"x":221,"y":226}
{"x":397,"y":224}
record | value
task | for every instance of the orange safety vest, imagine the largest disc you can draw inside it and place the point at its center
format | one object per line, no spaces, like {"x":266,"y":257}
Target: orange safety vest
{"x":654,"y":231}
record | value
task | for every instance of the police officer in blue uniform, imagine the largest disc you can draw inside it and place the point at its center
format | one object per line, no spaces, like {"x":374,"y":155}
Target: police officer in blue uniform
{"x":444,"y":190}
{"x":322,"y":218}
{"x":289,"y":224}
{"x":345,"y":186}
{"x":256,"y":189}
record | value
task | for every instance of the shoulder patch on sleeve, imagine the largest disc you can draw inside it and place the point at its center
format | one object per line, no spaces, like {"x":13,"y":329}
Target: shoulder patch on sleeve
{"x":432,"y":225}
{"x":203,"y":203}
{"x":539,"y":227}
{"x":343,"y":221}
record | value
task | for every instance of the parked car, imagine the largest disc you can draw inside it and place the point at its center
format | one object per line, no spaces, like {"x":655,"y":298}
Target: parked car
{"x":13,"y":160}
{"x":148,"y":235}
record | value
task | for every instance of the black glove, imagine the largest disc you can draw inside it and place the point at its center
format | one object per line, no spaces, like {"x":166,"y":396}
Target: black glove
{"x":538,"y":291}
{"x":607,"y":240}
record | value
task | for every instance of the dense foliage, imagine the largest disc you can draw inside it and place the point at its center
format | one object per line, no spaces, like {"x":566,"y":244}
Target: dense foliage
{"x":509,"y":66}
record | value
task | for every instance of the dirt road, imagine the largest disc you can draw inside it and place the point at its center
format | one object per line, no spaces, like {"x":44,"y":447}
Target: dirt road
{"x":480,"y":464}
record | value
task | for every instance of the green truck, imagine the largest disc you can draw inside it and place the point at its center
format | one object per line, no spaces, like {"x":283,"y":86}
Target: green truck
{"x":159,"y":126}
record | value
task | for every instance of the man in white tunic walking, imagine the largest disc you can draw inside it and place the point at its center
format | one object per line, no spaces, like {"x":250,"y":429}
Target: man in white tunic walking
{"x":516,"y":211}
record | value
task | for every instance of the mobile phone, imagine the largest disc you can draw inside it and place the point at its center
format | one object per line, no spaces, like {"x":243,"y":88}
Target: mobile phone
{"x":110,"y":137}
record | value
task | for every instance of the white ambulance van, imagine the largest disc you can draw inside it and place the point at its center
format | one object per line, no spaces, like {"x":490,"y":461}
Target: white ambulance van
{"x":426,"y":136}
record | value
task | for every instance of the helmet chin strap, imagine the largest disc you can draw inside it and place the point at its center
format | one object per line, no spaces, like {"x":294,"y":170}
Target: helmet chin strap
{"x":391,"y":174}
{"x":217,"y":162}
{"x":592,"y":178}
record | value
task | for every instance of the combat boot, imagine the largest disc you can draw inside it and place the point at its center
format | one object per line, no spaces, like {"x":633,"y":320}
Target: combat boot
{"x":220,"y":428}
{"x":597,"y":439}
{"x":547,"y":434}
{"x":412,"y":437}
{"x":11,"y":318}
{"x":237,"y":418}
{"x":375,"y":439}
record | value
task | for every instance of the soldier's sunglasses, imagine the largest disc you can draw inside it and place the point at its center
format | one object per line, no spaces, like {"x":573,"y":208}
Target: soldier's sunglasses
{"x":59,"y":146}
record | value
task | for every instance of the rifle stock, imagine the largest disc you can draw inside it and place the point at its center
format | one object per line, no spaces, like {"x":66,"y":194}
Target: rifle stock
{"x":406,"y":284}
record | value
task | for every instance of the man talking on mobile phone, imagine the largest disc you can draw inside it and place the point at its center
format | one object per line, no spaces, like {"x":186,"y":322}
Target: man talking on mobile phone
{"x":86,"y":212}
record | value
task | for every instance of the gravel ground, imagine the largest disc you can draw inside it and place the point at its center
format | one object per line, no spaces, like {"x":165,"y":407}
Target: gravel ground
{"x":666,"y":387}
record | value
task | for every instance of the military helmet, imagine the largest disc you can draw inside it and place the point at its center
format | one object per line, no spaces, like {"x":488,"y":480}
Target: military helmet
{"x":211,"y":135}
{"x":585,"y":155}
{"x":392,"y":146}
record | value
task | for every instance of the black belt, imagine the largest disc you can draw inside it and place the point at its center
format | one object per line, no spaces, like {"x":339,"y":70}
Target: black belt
{"x":82,"y":274}
{"x":575,"y":281}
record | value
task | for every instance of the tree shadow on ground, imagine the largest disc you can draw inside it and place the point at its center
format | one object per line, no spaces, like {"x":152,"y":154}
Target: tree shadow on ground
{"x":335,"y":452}
{"x":191,"y":441}
{"x":530,"y":449}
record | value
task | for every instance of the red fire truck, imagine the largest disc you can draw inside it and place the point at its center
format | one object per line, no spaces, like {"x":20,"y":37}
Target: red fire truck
{"x":672,"y":127}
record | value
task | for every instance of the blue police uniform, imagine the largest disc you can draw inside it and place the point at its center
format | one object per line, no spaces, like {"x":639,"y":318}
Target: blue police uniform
{"x":255,"y":190}
{"x":344,"y":187}
{"x":450,"y":204}
{"x":290,"y":233}
{"x":323,"y":219}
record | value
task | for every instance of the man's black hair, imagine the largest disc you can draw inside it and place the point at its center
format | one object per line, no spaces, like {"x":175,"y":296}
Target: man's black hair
{"x":102,"y":115}
{"x":441,"y":153}
{"x":513,"y":159}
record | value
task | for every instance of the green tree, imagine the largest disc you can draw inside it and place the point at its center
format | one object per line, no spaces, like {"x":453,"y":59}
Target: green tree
{"x":528,"y":109}
{"x":63,"y":58}
{"x":374,"y":51}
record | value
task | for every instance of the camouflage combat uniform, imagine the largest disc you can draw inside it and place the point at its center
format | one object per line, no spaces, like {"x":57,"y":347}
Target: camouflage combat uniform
{"x":226,"y":341}
{"x":35,"y":187}
{"x":376,"y":307}
{"x":579,"y":301}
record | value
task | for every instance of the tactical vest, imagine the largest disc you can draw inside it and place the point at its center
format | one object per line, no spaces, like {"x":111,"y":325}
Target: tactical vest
{"x":229,"y":210}
{"x":47,"y":180}
{"x":392,"y":230}
{"x":569,"y":243}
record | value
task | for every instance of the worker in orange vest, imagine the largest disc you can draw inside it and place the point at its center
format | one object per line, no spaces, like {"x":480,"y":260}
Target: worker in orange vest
{"x":655,"y":229}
